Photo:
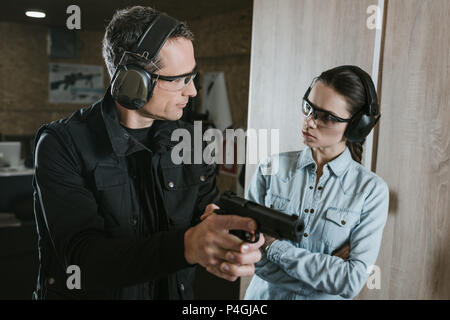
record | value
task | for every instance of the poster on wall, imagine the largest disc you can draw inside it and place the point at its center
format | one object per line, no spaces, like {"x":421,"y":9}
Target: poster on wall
{"x":215,"y":99}
{"x":75,"y":83}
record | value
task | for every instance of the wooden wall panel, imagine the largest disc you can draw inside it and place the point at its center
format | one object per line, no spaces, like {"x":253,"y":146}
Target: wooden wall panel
{"x":294,"y":41}
{"x":414,"y":152}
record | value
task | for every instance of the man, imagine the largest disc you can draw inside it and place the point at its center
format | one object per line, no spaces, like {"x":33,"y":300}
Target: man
{"x":109,"y":200}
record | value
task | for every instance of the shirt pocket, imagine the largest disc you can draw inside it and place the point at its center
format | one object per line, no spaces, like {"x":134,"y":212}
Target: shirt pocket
{"x":181,"y":184}
{"x":278,"y":202}
{"x":338,"y":224}
{"x":110,"y":183}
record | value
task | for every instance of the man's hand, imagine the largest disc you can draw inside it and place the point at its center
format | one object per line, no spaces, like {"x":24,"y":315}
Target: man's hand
{"x":343,"y":252}
{"x":211,"y":245}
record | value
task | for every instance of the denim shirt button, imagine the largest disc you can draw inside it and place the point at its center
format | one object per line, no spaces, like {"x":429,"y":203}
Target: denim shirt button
{"x":305,"y":235}
{"x":312,"y":210}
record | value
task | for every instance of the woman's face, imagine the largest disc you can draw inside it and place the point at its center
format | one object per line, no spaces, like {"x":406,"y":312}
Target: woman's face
{"x":324,"y":134}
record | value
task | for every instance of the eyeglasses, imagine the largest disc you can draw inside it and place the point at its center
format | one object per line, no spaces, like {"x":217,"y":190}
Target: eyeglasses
{"x":175,"y":83}
{"x":321,"y":117}
{"x":170,"y":83}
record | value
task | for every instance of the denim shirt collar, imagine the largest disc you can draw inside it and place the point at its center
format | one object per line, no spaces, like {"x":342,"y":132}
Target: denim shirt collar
{"x":338,"y":165}
{"x":306,"y":159}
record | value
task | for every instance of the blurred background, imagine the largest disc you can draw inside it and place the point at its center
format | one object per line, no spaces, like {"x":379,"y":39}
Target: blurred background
{"x":256,"y":59}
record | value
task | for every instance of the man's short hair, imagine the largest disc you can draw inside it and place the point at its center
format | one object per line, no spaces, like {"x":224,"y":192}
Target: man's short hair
{"x":125,"y":28}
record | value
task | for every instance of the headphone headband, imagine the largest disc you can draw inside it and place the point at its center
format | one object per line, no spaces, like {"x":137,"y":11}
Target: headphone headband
{"x":372,"y":107}
{"x":157,"y":33}
{"x":369,"y":115}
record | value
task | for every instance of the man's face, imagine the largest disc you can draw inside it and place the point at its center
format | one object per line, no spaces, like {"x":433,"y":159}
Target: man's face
{"x":177,"y":56}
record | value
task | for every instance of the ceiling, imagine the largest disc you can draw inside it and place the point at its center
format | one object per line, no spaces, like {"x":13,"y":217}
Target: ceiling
{"x":95,"y":16}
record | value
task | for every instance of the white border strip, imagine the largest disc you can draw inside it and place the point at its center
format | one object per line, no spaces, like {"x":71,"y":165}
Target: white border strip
{"x":368,"y":150}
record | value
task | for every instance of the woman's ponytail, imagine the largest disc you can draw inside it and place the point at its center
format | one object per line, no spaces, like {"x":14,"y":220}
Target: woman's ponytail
{"x":356,"y":150}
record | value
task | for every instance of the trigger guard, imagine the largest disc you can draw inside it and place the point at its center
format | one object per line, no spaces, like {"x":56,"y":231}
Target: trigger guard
{"x":249,"y":238}
{"x":256,"y":237}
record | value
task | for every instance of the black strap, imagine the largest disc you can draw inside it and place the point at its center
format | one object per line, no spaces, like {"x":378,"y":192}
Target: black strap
{"x":155,"y":36}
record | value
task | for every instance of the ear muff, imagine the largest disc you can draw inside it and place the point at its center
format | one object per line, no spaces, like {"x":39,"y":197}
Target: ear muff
{"x":360,"y":126}
{"x":363,"y":121}
{"x":132,"y":87}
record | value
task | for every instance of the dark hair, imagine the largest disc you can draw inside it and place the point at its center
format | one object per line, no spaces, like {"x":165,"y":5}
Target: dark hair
{"x":125,"y":28}
{"x":347,"y":83}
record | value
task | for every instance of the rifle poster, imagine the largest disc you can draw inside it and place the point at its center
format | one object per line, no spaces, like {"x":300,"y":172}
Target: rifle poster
{"x":75,"y":83}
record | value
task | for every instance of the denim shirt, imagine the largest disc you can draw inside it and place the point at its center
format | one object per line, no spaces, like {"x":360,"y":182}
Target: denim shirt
{"x":349,"y":204}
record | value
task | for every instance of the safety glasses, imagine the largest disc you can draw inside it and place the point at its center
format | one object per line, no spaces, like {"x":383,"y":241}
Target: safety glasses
{"x":175,"y":83}
{"x":322,"y":117}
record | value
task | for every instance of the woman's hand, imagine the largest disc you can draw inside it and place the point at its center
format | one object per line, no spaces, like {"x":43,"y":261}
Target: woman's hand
{"x":343,"y":252}
{"x":268,"y":241}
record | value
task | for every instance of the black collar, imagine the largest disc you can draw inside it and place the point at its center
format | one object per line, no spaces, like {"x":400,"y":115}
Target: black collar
{"x":122,"y":143}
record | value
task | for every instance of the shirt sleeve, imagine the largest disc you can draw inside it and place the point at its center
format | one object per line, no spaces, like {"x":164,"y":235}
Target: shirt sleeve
{"x":76,"y":231}
{"x":265,"y":269}
{"x":331,"y":274}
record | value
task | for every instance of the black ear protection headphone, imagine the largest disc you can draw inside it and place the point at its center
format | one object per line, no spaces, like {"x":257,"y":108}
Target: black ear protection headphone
{"x":132,"y":86}
{"x":364,"y":120}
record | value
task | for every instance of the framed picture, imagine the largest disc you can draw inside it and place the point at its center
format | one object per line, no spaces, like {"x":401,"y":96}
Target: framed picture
{"x":75,"y":83}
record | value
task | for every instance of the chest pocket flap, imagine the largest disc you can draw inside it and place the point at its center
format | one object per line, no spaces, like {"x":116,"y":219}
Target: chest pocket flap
{"x":184,"y":176}
{"x":276,"y":202}
{"x":108,"y":176}
{"x":343,"y":217}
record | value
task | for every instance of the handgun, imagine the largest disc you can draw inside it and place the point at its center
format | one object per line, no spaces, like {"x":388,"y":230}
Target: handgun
{"x":269,"y":221}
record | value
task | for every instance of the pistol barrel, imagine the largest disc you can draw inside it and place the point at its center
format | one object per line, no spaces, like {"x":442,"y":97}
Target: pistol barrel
{"x":272,"y":222}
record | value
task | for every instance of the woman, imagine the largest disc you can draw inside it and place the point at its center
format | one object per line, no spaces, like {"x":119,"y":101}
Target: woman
{"x":343,"y":205}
